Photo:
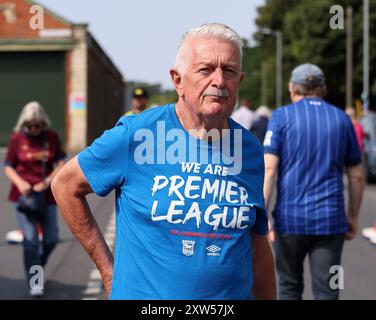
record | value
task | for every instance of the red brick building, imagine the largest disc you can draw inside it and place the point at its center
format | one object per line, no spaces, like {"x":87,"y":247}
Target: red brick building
{"x":46,"y":58}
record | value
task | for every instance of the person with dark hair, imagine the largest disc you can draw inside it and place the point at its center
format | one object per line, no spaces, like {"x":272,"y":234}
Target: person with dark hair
{"x":260,"y":124}
{"x":309,"y":142}
{"x":34,"y":157}
{"x":139,"y":102}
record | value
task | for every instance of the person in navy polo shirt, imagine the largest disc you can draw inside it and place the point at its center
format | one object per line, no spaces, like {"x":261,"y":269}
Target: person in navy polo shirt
{"x":310,"y":142}
{"x":190,"y":216}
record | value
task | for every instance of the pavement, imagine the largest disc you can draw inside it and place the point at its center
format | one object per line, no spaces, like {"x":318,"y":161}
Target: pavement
{"x":71,"y":275}
{"x":358,"y":259}
{"x":68,"y":272}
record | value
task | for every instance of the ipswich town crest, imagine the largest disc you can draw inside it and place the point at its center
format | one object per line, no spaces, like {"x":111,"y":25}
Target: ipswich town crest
{"x":188,"y":247}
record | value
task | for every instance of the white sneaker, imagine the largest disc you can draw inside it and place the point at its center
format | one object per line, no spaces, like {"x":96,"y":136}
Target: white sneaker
{"x":14,"y":236}
{"x":36,"y":292}
{"x":369,"y":232}
{"x":373,"y":240}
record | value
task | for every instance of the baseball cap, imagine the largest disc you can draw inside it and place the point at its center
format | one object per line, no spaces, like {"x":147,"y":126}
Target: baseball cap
{"x":140,"y":93}
{"x":307,"y":74}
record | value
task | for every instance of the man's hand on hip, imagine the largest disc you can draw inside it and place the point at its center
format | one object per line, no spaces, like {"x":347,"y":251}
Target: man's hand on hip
{"x":353,"y":228}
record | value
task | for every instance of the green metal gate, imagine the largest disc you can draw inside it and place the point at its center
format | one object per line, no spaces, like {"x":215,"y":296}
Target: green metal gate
{"x":31,"y":76}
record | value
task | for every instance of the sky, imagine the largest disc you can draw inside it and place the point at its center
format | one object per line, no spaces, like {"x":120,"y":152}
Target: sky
{"x":141,"y":37}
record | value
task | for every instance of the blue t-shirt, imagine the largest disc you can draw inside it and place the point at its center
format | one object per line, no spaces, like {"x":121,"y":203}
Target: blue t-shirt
{"x":183,"y":221}
{"x":314,"y":141}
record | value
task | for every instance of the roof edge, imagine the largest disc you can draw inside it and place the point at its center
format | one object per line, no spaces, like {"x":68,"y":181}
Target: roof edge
{"x":60,"y":18}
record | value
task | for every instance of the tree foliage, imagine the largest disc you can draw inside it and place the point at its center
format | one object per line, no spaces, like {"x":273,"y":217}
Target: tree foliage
{"x":307,"y":37}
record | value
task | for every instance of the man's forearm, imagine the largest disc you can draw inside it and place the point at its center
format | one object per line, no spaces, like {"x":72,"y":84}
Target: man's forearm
{"x":12,"y":175}
{"x":78,"y":216}
{"x":356,"y":187}
{"x":268,"y":186}
{"x":264,"y":283}
{"x":271,"y":168}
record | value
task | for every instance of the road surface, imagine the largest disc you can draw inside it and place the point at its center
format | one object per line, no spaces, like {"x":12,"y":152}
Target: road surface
{"x":71,"y":275}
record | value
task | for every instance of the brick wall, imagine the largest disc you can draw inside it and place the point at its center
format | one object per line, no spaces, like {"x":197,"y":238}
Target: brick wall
{"x":78,"y":90}
{"x":15,"y":16}
{"x":105,"y":92}
{"x":94,"y":86}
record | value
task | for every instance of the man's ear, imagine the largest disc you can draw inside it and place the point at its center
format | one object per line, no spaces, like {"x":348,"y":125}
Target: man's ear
{"x":290,"y":87}
{"x":293,"y":95}
{"x":177,"y":81}
{"x":242,"y":76}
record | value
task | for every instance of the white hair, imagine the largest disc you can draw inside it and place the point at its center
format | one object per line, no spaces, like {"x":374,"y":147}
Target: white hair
{"x":32,"y":111}
{"x":208,"y":30}
{"x":263,"y":111}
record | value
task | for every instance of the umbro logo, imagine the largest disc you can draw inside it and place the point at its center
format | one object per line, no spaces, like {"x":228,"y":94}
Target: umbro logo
{"x":213,"y":250}
{"x":315,"y":103}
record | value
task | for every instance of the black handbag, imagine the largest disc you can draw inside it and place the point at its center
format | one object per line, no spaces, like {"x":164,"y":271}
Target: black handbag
{"x":34,"y":204}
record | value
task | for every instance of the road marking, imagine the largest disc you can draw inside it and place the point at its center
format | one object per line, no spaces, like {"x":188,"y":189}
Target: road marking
{"x":94,"y":287}
{"x":95,"y":275}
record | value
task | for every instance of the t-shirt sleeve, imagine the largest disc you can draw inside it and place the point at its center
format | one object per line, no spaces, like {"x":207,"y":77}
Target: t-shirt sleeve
{"x":353,"y":155}
{"x":273,"y":137}
{"x":11,"y":156}
{"x":105,"y":162}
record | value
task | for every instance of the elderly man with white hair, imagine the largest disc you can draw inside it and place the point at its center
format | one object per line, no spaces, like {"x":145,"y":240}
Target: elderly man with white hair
{"x":190,"y":217}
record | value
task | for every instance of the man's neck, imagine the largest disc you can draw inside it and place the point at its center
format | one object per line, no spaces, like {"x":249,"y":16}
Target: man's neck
{"x":138,"y":110}
{"x":196,"y":124}
{"x":296,"y":98}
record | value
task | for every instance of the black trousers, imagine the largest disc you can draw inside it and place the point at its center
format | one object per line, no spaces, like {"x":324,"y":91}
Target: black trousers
{"x":324,"y":252}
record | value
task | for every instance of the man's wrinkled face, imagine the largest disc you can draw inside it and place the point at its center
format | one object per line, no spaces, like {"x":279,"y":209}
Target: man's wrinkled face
{"x":211,"y":77}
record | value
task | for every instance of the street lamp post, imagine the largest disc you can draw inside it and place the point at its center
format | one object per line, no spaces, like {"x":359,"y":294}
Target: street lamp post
{"x":365,"y":95}
{"x":278,"y":64}
{"x":279,"y":43}
{"x":349,"y":57}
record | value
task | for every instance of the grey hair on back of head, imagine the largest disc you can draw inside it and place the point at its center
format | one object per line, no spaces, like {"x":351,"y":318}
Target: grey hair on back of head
{"x":212,"y":30}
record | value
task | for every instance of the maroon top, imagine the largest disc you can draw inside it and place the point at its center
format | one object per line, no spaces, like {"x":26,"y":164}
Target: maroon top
{"x":25,"y":155}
